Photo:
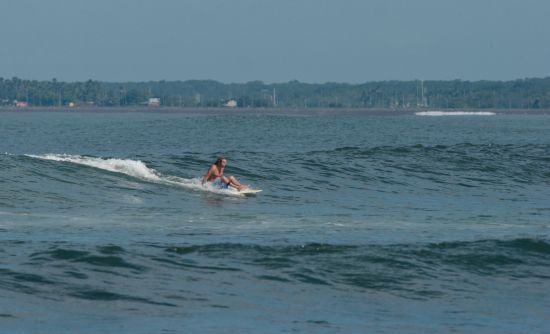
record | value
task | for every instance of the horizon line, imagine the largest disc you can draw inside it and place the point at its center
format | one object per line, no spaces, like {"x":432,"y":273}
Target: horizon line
{"x":280,"y":82}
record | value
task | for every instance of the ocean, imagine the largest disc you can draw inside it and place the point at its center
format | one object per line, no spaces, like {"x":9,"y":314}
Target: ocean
{"x":367,"y":223}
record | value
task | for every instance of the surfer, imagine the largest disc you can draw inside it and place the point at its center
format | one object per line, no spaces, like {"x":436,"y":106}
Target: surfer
{"x":218,"y":180}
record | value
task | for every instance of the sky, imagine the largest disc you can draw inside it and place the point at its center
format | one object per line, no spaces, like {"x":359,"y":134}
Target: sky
{"x":274,"y":41}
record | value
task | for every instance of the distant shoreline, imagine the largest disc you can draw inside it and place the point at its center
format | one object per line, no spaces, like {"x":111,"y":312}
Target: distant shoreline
{"x":524,"y":94}
{"x":374,"y":111}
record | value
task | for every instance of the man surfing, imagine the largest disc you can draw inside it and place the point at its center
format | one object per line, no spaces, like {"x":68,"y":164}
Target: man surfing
{"x":218,"y":180}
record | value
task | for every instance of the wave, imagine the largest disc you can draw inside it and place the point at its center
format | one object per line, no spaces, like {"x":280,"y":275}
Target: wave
{"x":455,"y":113}
{"x":136,"y":169}
{"x":538,"y":150}
{"x":458,"y":164}
{"x":409,"y":270}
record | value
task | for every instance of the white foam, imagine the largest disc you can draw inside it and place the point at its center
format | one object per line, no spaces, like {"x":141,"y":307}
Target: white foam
{"x":133,"y":168}
{"x":455,"y":113}
{"x":137,"y":169}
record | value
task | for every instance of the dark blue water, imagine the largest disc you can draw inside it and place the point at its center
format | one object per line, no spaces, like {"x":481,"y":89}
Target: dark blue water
{"x":366,"y":223}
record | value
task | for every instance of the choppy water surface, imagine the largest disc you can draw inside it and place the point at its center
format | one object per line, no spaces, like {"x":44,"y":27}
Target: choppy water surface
{"x":365,"y":224}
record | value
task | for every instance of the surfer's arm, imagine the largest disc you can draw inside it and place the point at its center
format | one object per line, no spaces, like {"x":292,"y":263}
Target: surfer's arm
{"x":207,"y":176}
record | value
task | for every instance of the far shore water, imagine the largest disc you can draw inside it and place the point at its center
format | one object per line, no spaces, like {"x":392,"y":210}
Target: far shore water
{"x":374,"y":111}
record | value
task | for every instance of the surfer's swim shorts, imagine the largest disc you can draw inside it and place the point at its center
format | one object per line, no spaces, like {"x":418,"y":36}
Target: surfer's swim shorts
{"x":219,"y":184}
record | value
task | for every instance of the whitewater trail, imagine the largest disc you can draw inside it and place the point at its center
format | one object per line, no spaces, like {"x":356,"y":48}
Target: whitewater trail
{"x":455,"y":113}
{"x":137,"y":169}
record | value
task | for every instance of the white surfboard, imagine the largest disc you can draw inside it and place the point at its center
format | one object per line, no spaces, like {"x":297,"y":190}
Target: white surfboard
{"x":247,"y":191}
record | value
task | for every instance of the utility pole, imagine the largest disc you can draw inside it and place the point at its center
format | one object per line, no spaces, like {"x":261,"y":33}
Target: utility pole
{"x":422,"y":90}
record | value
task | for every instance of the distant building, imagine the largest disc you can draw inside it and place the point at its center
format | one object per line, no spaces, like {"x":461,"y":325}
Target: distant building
{"x":230,"y":104}
{"x":21,"y":104}
{"x":154,"y":102}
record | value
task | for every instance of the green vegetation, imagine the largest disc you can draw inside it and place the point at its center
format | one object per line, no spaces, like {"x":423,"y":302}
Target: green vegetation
{"x":517,"y":94}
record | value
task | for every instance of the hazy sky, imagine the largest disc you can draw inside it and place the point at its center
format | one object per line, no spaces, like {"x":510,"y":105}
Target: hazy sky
{"x":274,"y":40}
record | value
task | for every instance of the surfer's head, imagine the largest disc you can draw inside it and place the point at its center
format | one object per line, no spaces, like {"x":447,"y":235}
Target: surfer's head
{"x":221,"y":162}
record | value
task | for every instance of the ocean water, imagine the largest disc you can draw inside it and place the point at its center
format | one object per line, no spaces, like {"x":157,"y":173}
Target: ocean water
{"x":366,"y":223}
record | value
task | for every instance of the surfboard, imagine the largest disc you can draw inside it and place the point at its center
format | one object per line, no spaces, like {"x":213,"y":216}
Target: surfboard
{"x":248,"y":191}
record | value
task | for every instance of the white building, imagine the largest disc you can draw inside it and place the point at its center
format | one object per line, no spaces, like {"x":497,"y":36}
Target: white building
{"x":230,"y":104}
{"x":154,"y":102}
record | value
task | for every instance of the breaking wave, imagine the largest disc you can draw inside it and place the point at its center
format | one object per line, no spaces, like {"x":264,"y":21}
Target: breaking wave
{"x":455,"y":113}
{"x":136,"y":169}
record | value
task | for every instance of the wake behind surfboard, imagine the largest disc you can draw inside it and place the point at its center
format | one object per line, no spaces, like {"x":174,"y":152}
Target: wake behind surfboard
{"x":139,"y":170}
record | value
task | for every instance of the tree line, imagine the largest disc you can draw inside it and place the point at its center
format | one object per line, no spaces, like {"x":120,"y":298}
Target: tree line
{"x":531,"y":93}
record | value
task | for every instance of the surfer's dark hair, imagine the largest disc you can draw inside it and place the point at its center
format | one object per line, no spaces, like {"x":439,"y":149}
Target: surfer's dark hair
{"x":219,"y":160}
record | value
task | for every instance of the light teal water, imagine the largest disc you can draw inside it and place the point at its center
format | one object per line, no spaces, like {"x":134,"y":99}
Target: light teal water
{"x":365,"y":224}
